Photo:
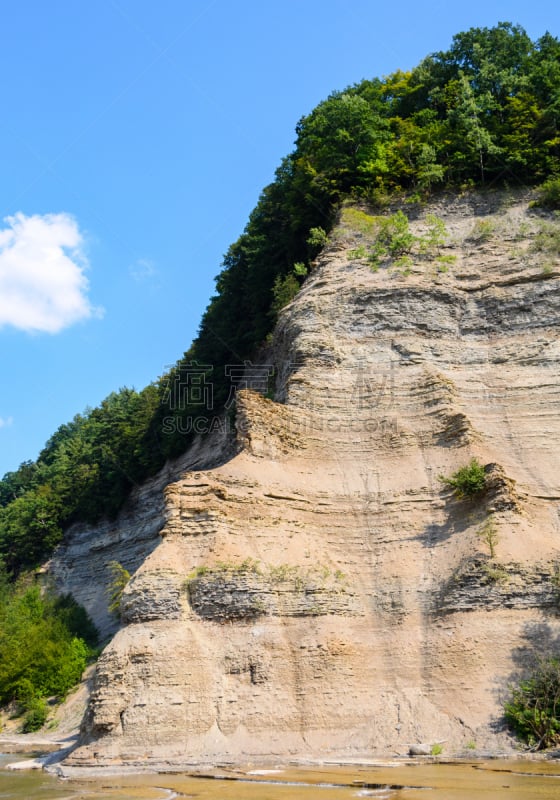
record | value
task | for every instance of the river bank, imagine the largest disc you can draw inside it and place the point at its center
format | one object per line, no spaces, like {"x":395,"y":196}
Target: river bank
{"x":408,"y":779}
{"x":50,"y":749}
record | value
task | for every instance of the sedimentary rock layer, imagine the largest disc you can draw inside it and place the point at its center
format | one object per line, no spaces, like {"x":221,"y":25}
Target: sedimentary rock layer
{"x":323,"y":591}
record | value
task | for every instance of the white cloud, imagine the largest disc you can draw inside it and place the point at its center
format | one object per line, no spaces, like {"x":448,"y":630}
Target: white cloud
{"x":5,"y":422}
{"x":42,"y":282}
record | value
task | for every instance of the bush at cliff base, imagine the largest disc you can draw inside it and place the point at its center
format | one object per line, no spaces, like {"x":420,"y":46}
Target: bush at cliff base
{"x":533,"y":711}
{"x":45,"y":644}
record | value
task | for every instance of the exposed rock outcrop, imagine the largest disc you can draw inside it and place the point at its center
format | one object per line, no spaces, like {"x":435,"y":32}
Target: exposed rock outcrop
{"x":322,"y":591}
{"x":484,"y":584}
{"x":241,"y":596}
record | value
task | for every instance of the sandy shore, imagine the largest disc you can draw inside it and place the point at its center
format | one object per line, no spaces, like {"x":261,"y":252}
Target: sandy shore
{"x":49,"y":751}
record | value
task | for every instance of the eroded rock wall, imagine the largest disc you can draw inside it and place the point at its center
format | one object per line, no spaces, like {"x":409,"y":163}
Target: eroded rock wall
{"x":80,"y":565}
{"x":323,"y":591}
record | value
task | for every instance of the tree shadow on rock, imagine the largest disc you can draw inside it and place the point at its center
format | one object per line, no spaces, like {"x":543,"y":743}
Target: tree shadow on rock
{"x":541,"y":642}
{"x":461,"y":513}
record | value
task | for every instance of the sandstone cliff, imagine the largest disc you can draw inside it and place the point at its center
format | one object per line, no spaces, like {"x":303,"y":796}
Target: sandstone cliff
{"x":319,"y":590}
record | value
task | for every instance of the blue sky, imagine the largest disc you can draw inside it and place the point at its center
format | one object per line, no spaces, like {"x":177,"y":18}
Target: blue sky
{"x":135,"y":140}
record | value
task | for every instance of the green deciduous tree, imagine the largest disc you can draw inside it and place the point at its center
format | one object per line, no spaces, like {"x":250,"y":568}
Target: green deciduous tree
{"x":42,"y":649}
{"x":343,"y":142}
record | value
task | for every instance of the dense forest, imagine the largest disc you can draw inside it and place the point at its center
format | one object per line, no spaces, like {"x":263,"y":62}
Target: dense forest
{"x":484,"y":113}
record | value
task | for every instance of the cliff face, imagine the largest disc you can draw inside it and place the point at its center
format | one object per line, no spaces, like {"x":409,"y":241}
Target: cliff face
{"x":80,"y":566}
{"x":321,"y":591}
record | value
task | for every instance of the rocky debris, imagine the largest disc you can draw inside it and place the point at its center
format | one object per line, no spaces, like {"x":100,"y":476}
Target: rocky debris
{"x":420,"y":750}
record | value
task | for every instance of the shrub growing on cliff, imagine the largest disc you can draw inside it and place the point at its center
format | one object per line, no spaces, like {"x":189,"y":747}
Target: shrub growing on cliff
{"x":390,"y":237}
{"x":468,"y":481}
{"x":549,"y":193}
{"x":488,"y":534}
{"x":533,"y":710}
{"x":284,"y":291}
{"x":317,"y":239}
{"x":119,"y":579}
{"x":547,"y":240}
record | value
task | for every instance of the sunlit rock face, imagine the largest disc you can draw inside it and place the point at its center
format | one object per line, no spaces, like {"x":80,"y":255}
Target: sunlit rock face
{"x":317,"y":589}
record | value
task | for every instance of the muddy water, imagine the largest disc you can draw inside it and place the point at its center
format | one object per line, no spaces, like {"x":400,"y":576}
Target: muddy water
{"x":484,"y":780}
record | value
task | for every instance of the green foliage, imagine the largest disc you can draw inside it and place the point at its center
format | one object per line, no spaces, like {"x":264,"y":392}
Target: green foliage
{"x":481,"y":111}
{"x":15,"y":484}
{"x":198,"y":572}
{"x":119,"y":579}
{"x":280,"y":573}
{"x":468,"y":481}
{"x":84,"y":472}
{"x":247,"y":566}
{"x":30,"y":527}
{"x":341,"y":143}
{"x":482,"y":231}
{"x":394,"y":235}
{"x":547,"y":240}
{"x":359,"y":221}
{"x":436,"y":749}
{"x":300,"y":270}
{"x":429,"y":172}
{"x":404,"y":265}
{"x":533,"y":709}
{"x":40,"y":653}
{"x":435,"y":237}
{"x":35,"y":715}
{"x":488,"y":534}
{"x":389,"y":237}
{"x":317,"y":238}
{"x":295,"y":574}
{"x":444,"y":262}
{"x":358,"y":252}
{"x":285,"y":289}
{"x":75,"y":619}
{"x":495,"y":574}
{"x":549,"y":193}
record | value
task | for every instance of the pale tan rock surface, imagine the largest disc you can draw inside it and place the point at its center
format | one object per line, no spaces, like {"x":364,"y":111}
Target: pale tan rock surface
{"x":322,"y":592}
